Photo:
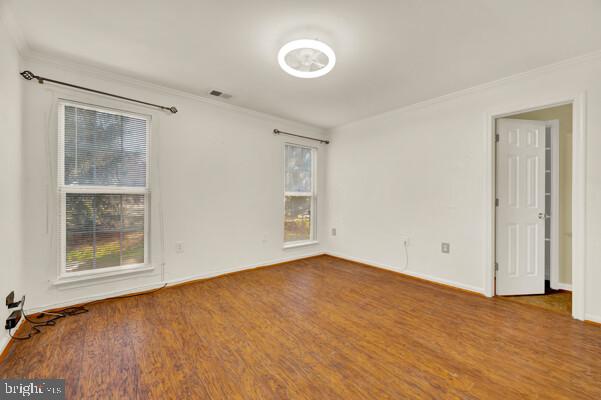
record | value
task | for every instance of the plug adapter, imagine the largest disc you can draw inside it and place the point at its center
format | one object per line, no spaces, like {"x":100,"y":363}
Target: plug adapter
{"x":13,"y":320}
{"x":10,"y":300}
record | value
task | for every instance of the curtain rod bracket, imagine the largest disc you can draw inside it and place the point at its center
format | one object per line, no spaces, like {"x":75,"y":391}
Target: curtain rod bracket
{"x":30,"y":75}
{"x":279,"y":132}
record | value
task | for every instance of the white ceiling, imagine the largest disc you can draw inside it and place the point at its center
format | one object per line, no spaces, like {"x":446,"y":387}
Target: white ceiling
{"x":390,"y":53}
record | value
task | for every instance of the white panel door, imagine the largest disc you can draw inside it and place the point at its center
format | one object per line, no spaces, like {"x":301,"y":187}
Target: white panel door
{"x":520,"y":216}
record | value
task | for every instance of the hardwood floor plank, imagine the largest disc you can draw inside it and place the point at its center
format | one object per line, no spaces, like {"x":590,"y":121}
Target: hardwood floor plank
{"x":319,"y":328}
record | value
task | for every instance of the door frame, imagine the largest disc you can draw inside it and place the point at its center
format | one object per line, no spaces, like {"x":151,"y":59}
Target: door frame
{"x":555,"y":206}
{"x":578,"y":102}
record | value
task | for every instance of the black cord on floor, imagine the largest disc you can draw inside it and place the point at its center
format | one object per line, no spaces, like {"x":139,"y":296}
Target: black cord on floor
{"x":18,"y":338}
{"x":66,"y":312}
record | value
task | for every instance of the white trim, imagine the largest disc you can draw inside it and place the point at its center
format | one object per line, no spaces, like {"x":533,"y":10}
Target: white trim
{"x":579,"y":263}
{"x":29,"y":55}
{"x":414,"y":274}
{"x":213,"y":274}
{"x":563,"y":286}
{"x":85,"y":299}
{"x":105,"y":75}
{"x":87,"y":276}
{"x":578,"y":102}
{"x":104,"y":189}
{"x":533,"y":73}
{"x":313,"y":194}
{"x":302,"y":243}
{"x":555,"y":203}
{"x":299,"y":194}
{"x":592,"y":318}
{"x":64,"y":277}
{"x":170,"y":282}
{"x":12,"y":26}
{"x":7,"y":339}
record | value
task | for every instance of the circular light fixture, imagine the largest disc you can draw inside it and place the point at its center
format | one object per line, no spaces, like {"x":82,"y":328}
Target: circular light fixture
{"x":306,"y":58}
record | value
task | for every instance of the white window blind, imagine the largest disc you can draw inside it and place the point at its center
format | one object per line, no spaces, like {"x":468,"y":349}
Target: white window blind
{"x":103,"y":187}
{"x":299,"y":193}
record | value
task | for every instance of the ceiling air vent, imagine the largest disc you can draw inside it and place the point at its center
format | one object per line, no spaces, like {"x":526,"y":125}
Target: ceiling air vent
{"x":218,"y":93}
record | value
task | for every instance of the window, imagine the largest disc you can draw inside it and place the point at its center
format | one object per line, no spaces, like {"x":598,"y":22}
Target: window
{"x":103,"y":188}
{"x":299,"y":194}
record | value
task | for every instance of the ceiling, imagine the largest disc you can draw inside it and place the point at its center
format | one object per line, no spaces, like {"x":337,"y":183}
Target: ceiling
{"x":390,"y":53}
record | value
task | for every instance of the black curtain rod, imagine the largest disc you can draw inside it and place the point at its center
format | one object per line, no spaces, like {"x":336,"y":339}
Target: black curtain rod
{"x":30,"y":75}
{"x":279,"y":132}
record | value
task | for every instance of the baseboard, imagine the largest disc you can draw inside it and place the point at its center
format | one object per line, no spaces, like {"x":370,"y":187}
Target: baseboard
{"x":6,"y":342}
{"x":563,"y":286}
{"x":418,"y":275}
{"x":592,"y":318}
{"x":170,"y":282}
{"x":214,"y":274}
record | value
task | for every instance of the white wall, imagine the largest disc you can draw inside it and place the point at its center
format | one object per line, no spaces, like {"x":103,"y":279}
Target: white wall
{"x":421,"y":171}
{"x":216,"y":174}
{"x":418,"y":172}
{"x":10,"y":174}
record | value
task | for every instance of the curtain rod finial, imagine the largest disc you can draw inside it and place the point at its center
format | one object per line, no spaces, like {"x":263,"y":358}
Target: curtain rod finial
{"x":173,"y":109}
{"x":27,"y":75}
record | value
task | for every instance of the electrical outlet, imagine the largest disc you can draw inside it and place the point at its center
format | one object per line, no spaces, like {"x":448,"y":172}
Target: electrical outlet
{"x":445,"y":247}
{"x":333,"y":231}
{"x":179,"y":247}
{"x":405,"y":240}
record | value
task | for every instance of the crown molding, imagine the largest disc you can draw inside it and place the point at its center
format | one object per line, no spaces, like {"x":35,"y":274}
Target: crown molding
{"x":103,"y":74}
{"x":8,"y":20}
{"x":592,"y":56}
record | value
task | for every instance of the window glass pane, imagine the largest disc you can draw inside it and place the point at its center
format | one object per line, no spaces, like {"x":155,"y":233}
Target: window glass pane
{"x":104,"y":230}
{"x":297,"y":221}
{"x":104,"y":149}
{"x":298,"y":169}
{"x":133,"y":247}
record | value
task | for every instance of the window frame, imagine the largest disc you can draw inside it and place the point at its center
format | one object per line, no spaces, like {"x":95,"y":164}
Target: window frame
{"x":313,"y":194}
{"x":63,"y":190}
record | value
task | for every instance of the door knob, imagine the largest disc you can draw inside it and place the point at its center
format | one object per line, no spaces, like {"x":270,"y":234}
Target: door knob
{"x":541,"y":215}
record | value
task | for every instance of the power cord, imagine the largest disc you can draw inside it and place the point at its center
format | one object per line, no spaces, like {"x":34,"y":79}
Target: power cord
{"x":406,"y":245}
{"x":36,"y":325}
{"x":66,"y":312}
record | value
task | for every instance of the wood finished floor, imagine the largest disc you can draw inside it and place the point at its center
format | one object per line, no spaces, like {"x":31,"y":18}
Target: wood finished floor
{"x":320,"y":328}
{"x":553,"y":300}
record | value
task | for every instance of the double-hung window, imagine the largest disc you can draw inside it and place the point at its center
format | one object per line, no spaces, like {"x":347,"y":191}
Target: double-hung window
{"x":299,"y":194}
{"x":103,"y":167}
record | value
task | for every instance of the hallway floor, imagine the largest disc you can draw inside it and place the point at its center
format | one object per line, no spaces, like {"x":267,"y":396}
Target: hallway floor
{"x":553,"y":300}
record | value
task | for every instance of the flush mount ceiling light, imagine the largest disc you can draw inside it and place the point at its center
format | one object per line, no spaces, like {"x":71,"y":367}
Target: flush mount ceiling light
{"x":306,"y":58}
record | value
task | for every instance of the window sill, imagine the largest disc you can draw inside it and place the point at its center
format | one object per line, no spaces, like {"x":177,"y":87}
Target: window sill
{"x":66,"y":280}
{"x":293,"y":245}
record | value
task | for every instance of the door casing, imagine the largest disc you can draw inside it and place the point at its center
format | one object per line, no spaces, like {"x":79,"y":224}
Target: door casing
{"x":578,"y":103}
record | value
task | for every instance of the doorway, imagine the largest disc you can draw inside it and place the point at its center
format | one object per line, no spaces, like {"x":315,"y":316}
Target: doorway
{"x":533,"y":207}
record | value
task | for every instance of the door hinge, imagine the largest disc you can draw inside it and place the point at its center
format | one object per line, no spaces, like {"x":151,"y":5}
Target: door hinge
{"x":496,"y":202}
{"x":497,"y":138}
{"x":496,"y":267}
